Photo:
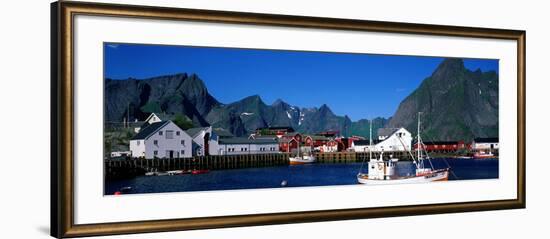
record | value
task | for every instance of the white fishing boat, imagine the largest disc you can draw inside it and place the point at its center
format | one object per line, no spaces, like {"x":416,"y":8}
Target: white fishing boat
{"x":484,"y":155}
{"x":382,"y":171}
{"x":302,"y":158}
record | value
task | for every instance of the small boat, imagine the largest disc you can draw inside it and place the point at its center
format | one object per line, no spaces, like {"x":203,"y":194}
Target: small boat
{"x":463,"y":157}
{"x":199,"y":171}
{"x":484,"y":155}
{"x":301,"y":159}
{"x":174,"y":172}
{"x":305,"y":159}
{"x":382,"y":172}
{"x":123,"y":190}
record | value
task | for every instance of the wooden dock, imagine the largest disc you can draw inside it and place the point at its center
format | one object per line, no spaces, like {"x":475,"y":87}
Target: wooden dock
{"x":131,"y":167}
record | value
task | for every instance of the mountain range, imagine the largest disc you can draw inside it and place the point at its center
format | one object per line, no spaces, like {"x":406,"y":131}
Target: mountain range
{"x":457,"y":104}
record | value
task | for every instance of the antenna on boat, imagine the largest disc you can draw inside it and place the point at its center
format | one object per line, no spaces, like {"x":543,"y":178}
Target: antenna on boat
{"x":370,"y":140}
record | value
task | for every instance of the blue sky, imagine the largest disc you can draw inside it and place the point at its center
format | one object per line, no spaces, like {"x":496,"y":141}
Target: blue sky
{"x":358,"y":85}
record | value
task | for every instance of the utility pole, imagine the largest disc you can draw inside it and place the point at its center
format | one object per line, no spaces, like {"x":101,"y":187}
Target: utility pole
{"x":128,"y":116}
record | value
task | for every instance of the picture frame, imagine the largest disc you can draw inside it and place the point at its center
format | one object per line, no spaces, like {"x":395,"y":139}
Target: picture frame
{"x":63,"y":120}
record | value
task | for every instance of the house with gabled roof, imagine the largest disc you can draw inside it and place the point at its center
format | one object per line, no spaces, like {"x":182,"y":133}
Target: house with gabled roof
{"x":201,"y":140}
{"x":389,"y":140}
{"x":162,"y":139}
{"x":152,"y":118}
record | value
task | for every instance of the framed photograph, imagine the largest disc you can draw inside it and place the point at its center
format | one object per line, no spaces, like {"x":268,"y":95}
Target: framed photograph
{"x":170,"y":119}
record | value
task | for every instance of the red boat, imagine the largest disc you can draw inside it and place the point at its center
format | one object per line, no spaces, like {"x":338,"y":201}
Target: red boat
{"x":199,"y":171}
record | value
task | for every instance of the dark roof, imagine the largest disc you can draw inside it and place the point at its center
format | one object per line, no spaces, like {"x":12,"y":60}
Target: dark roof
{"x":222,"y":132}
{"x":241,"y":140}
{"x":194,"y":131}
{"x":285,"y":140}
{"x":319,"y":137}
{"x":144,"y":125}
{"x":329,"y":133}
{"x":290,"y":129}
{"x":151,"y":129}
{"x":486,"y":140}
{"x":365,"y":142}
{"x":440,"y":142}
{"x":385,"y":132}
{"x":291,"y":134}
{"x":263,"y":137}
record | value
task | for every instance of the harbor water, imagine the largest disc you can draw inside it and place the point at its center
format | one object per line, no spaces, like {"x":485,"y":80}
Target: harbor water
{"x":290,"y":176}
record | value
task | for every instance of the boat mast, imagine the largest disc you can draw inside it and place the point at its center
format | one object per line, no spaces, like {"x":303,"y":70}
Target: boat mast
{"x":370,"y":140}
{"x":418,"y":140}
{"x":298,"y":152}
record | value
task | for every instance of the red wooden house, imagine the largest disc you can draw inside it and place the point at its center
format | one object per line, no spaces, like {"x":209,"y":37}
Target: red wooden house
{"x":443,"y":146}
{"x":289,"y":141}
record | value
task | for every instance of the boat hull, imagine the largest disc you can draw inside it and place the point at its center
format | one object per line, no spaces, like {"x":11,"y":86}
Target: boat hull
{"x":485,"y":157}
{"x":438,"y":175}
{"x":301,"y":160}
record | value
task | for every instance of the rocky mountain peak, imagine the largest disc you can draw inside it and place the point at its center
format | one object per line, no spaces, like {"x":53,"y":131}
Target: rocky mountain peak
{"x":325,"y":110}
{"x":279,"y":102}
{"x":450,"y":68}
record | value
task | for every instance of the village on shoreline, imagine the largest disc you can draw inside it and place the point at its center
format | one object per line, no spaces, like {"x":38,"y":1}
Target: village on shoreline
{"x":158,"y":138}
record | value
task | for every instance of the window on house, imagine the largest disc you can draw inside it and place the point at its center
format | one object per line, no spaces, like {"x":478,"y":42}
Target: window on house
{"x":160,"y":132}
{"x":155,"y":142}
{"x":169,"y":134}
{"x":183,"y":152}
{"x":183,"y":142}
{"x":177,"y":133}
{"x":155,"y":152}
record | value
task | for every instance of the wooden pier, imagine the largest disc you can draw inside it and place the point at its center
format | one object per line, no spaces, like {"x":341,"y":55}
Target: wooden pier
{"x":357,"y":157}
{"x":131,"y":167}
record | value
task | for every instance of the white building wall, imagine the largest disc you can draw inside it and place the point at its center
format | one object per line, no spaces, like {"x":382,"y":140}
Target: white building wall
{"x":264,"y":148}
{"x":199,"y":140}
{"x":327,"y":149}
{"x":165,"y":145}
{"x":213,"y":147}
{"x":483,"y":146}
{"x":137,"y":147}
{"x":401,"y":140}
{"x":153,"y":118}
{"x":239,"y":149}
{"x":361,"y":148}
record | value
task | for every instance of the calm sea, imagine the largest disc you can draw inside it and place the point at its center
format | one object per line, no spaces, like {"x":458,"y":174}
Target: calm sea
{"x":290,"y":176}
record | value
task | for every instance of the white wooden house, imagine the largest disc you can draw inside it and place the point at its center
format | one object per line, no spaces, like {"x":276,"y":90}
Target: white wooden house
{"x":485,"y":144}
{"x":389,"y":139}
{"x":152,"y":118}
{"x":162,"y":139}
{"x":237,"y":146}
